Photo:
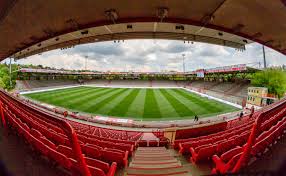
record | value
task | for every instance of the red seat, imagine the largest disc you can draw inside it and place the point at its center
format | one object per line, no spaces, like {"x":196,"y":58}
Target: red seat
{"x":93,"y":152}
{"x":36,"y":133}
{"x":96,"y":171}
{"x":66,"y":151}
{"x":40,"y":146}
{"x":222,"y":167}
{"x":60,"y":158}
{"x":98,"y":164}
{"x":120,"y":158}
{"x":225,"y":157}
{"x":153,"y":143}
{"x":48,"y":143}
{"x":225,"y":145}
{"x":163,"y":143}
{"x":142,"y":143}
{"x":203,"y":153}
{"x":57,"y":138}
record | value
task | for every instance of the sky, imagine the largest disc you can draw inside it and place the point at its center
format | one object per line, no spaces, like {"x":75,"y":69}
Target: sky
{"x":152,"y":55}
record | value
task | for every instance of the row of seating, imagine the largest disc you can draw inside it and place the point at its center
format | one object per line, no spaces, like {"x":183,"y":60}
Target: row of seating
{"x":118,"y":143}
{"x":106,"y":133}
{"x":216,"y":138}
{"x":203,"y":129}
{"x":231,"y":144}
{"x":48,"y":139}
{"x":154,"y":143}
{"x":238,"y":137}
{"x":232,"y":141}
{"x":89,"y":137}
{"x":233,"y":133}
{"x":226,"y":162}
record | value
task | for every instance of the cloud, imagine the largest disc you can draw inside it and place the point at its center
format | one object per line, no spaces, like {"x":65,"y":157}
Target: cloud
{"x":152,"y":55}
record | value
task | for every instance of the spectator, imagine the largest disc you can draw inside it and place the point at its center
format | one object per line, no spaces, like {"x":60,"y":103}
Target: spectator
{"x":196,"y":118}
{"x":251,"y":112}
{"x":241,"y":115}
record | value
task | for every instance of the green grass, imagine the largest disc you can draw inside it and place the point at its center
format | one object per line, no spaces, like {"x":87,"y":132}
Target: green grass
{"x":135,"y":103}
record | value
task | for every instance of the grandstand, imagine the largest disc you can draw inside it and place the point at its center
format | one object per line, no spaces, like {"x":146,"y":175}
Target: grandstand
{"x":40,"y":139}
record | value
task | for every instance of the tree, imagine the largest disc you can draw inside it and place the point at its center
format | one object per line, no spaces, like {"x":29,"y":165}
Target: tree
{"x":273,"y":79}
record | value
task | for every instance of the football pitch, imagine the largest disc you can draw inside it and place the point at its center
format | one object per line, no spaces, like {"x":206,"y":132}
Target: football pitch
{"x":134,"y":103}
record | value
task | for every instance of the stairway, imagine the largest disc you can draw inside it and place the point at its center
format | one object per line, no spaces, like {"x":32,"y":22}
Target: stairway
{"x":155,"y":161}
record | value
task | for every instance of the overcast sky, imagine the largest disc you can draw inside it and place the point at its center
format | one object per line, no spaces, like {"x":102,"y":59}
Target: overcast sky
{"x":151,"y":55}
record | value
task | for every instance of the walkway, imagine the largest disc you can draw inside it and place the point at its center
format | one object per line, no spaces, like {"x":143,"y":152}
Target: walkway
{"x":155,"y":161}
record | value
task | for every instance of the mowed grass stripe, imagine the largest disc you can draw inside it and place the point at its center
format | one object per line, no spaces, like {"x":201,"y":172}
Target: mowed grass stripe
{"x":86,"y":98}
{"x":64,"y":96}
{"x":166,"y":108}
{"x":199,"y":101}
{"x":122,"y":107}
{"x":189,"y":103}
{"x":72,"y":98}
{"x":93,"y":108}
{"x":216,"y":106}
{"x":136,"y":109}
{"x":111,"y":104}
{"x":91,"y":99}
{"x":54,"y":93}
{"x":58,"y":96}
{"x":151,"y":109}
{"x":70,"y":103}
{"x":180,"y":108}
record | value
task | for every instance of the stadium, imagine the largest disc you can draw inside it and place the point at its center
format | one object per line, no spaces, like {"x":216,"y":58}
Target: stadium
{"x":151,"y":112}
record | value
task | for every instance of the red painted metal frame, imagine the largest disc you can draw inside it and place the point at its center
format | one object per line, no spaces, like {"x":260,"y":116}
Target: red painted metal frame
{"x":59,"y":122}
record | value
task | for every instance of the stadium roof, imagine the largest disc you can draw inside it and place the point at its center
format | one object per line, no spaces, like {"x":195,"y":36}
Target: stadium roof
{"x":29,"y":27}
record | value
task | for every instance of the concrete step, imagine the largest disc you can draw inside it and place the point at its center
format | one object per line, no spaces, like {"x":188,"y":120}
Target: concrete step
{"x":170,"y":174}
{"x":152,"y":154}
{"x":152,"y":161}
{"x":151,"y":149}
{"x":156,"y":172}
{"x":154,"y":165}
{"x":152,"y":158}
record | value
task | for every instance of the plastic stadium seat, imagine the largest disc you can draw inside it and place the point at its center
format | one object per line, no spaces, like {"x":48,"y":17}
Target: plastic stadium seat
{"x":36,"y":133}
{"x":98,"y":164}
{"x":82,"y":138}
{"x":142,"y":143}
{"x":225,"y":145}
{"x":163,"y":143}
{"x":225,"y":157}
{"x":48,"y":143}
{"x":120,"y":158}
{"x":60,"y":158}
{"x":204,"y":153}
{"x":153,"y":143}
{"x":96,"y":171}
{"x":40,"y":146}
{"x":93,"y":152}
{"x":222,"y":167}
{"x":66,"y":151}
{"x":57,"y":138}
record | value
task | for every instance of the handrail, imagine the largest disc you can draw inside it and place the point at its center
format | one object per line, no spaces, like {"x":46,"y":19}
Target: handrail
{"x":71,"y":134}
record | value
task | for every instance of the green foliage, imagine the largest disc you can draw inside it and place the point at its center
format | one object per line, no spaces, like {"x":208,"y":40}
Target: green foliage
{"x":273,"y":79}
{"x":5,"y":77}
